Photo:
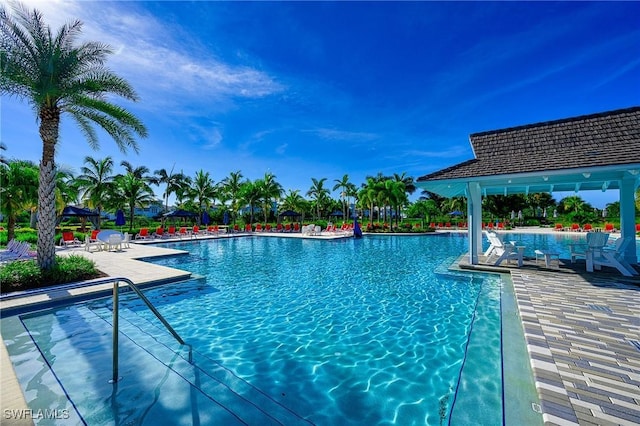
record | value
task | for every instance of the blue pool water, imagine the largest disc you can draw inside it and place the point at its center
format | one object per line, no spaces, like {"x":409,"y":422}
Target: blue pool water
{"x":370,"y":331}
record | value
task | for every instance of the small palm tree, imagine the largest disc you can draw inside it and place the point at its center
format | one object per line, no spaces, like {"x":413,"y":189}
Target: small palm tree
{"x":135,"y":192}
{"x":232,"y":185}
{"x":57,"y":76}
{"x":347,"y":190}
{"x":269,"y":190}
{"x":172,"y":182}
{"x":203,"y":192}
{"x":319,"y":194}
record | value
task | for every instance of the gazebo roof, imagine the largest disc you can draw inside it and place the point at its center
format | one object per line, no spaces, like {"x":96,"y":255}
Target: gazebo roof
{"x":590,"y":152}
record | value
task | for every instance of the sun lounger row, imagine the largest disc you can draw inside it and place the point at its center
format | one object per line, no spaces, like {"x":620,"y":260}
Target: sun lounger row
{"x":16,"y":250}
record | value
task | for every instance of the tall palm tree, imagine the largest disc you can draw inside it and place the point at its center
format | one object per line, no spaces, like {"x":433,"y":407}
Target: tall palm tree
{"x":141,"y":172}
{"x":135,"y":192}
{"x":347,"y":189}
{"x":270,"y":190}
{"x":172,"y":183}
{"x":250,"y":194}
{"x":58,"y":75}
{"x":232,"y":185}
{"x":203,"y":192}
{"x":18,"y":191}
{"x":293,"y":201}
{"x":319,"y":194}
{"x":95,"y":182}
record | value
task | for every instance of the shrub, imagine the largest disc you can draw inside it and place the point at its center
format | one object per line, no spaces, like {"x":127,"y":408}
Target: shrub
{"x":24,"y":275}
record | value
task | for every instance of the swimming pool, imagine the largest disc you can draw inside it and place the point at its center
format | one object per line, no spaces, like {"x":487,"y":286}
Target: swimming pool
{"x":285,"y":331}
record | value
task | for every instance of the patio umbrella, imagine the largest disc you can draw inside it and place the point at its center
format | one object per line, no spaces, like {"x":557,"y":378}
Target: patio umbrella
{"x":120,"y":221}
{"x":555,"y":213}
{"x":519,"y":214}
{"x":225,"y":218}
{"x":357,"y":232}
{"x":82,"y":213}
{"x":513,"y":214}
{"x":544,"y":212}
{"x":205,"y":218}
{"x":604,"y":212}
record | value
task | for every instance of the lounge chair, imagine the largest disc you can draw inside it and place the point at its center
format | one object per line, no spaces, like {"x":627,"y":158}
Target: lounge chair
{"x":612,"y":258}
{"x":248,"y":228}
{"x":587,"y":227}
{"x":68,"y":239}
{"x":608,"y":227}
{"x":171,"y":232}
{"x":195,"y":231}
{"x":15,"y":250}
{"x":159,"y":233}
{"x":267,"y":227}
{"x":236,"y":228}
{"x":575,"y":228}
{"x":287,"y":227}
{"x":296,"y":227}
{"x":258,"y":227}
{"x":504,"y":251}
{"x":183,"y":232}
{"x":559,"y":227}
{"x":143,"y":234}
{"x":595,"y":242}
{"x":94,"y":235}
{"x":279,"y":228}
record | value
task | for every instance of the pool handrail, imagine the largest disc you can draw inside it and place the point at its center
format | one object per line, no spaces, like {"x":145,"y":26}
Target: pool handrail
{"x":116,"y":287}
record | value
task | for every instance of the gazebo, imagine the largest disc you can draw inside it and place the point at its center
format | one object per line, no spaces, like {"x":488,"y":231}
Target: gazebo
{"x":597,"y":152}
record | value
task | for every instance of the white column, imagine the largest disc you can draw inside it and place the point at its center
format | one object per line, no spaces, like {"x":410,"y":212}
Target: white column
{"x":474,"y":212}
{"x":627,"y":215}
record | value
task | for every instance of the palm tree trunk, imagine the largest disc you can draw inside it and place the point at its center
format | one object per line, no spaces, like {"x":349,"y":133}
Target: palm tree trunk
{"x":49,"y":126}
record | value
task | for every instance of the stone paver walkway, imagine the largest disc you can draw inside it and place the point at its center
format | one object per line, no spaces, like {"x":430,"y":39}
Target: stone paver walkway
{"x":583,"y":338}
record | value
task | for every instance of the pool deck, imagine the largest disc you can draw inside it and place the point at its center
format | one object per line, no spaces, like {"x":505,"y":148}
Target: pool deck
{"x":582,"y":331}
{"x":583,"y":338}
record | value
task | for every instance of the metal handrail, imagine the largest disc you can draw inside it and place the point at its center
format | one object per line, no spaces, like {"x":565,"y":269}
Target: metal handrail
{"x":116,"y":286}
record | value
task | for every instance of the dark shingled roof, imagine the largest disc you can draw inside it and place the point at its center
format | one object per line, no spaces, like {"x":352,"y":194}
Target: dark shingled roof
{"x":603,"y":139}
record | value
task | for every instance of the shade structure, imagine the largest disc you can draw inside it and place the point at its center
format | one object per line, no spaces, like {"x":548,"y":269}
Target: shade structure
{"x":180,"y":213}
{"x":205,"y":218}
{"x":337,"y":213}
{"x":70,"y":211}
{"x":120,"y":221}
{"x":290,"y":213}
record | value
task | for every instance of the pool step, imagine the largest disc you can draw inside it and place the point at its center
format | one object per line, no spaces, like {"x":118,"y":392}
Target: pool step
{"x":245,"y":401}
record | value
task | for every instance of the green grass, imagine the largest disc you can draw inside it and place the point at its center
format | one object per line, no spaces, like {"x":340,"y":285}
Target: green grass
{"x":25,"y":275}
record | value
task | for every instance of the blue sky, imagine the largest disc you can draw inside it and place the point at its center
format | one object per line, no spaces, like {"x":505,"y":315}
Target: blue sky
{"x":305,"y":89}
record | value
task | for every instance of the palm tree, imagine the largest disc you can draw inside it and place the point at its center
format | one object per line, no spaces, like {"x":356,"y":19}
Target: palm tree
{"x":203,"y":192}
{"x":57,"y":75}
{"x":18,"y":191}
{"x":269,"y":190}
{"x":172,"y":182}
{"x":250,"y":194}
{"x":347,"y":189}
{"x":140,"y":172}
{"x":293,"y":201}
{"x":232,"y":185}
{"x":134,"y":192}
{"x":318,"y":193}
{"x":95,"y":182}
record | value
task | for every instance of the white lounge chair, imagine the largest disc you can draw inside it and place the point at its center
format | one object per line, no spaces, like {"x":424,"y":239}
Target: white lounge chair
{"x":491,"y":236}
{"x":595,"y":243}
{"x":504,"y":251}
{"x":612,"y":258}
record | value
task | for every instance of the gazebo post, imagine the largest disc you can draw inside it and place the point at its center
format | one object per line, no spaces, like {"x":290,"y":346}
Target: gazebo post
{"x":627,"y":215}
{"x":474,"y":213}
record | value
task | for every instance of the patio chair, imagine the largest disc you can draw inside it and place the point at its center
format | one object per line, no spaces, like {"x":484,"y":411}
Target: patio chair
{"x":248,"y":228}
{"x":595,"y":242}
{"x":195,"y":231}
{"x":612,"y":258}
{"x":258,"y":227}
{"x":587,"y":227}
{"x":159,"y":233}
{"x":68,"y":239}
{"x":183,"y":232}
{"x":126,"y":240}
{"x":279,"y":228}
{"x":114,"y":242}
{"x":15,"y":250}
{"x":89,"y":244}
{"x":504,"y":252}
{"x":559,"y":227}
{"x":492,"y":237}
{"x":267,"y":227}
{"x":287,"y":227}
{"x":575,"y":228}
{"x":171,"y":232}
{"x":608,"y":227}
{"x":143,"y":234}
{"x":296,"y":227}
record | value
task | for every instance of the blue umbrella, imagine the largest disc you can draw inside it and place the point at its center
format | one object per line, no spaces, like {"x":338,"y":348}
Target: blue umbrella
{"x":357,"y":232}
{"x":205,"y":218}
{"x":120,"y":221}
{"x":456,"y":213}
{"x":225,"y":218}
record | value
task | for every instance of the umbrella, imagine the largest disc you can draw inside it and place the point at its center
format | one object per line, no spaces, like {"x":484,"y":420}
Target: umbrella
{"x":555,"y":213}
{"x":604,"y":212}
{"x":225,"y":218}
{"x":357,"y":232}
{"x":519,"y":214}
{"x":82,"y":213}
{"x":544,"y":212}
{"x":120,"y":218}
{"x":513,"y":215}
{"x":205,"y":218}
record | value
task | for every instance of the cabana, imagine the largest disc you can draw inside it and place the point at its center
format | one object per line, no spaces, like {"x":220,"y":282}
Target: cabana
{"x":597,"y":152}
